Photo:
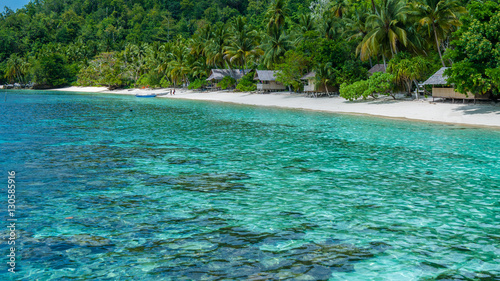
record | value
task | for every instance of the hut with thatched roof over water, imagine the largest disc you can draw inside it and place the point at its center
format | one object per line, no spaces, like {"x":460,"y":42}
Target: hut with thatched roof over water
{"x":267,"y":81}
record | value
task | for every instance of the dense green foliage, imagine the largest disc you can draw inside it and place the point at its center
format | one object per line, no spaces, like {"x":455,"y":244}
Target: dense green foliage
{"x":354,"y":91}
{"x":50,"y":70}
{"x":197,"y":84}
{"x":227,"y":82}
{"x":121,"y":43}
{"x":409,"y":70}
{"x":247,"y":84}
{"x":378,"y":84}
{"x":294,"y":65}
{"x":476,"y":51}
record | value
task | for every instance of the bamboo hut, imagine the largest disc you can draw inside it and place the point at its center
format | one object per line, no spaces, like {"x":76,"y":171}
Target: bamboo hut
{"x":441,"y":88}
{"x":267,"y":81}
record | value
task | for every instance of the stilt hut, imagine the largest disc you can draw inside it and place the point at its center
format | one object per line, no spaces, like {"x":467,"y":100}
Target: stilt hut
{"x":441,"y":88}
{"x":267,"y":81}
{"x":311,"y":86}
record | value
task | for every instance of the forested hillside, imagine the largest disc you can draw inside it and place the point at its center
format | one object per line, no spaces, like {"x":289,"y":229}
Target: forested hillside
{"x":120,"y":43}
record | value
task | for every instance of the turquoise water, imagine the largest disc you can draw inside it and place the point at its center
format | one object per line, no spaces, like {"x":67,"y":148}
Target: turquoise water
{"x":120,"y":188}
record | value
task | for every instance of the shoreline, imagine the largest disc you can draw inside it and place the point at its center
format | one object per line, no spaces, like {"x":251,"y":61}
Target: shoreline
{"x":468,"y":114}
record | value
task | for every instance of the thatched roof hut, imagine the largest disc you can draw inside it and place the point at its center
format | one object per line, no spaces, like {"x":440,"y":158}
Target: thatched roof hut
{"x":309,"y":76}
{"x":441,"y":88}
{"x":265,"y":75}
{"x":377,"y":68}
{"x":437,"y":78}
{"x":219,"y":74}
{"x":311,"y":85}
{"x":267,"y":81}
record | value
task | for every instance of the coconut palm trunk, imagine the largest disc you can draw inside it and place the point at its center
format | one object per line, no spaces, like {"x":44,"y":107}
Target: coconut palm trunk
{"x":373,"y":6}
{"x":437,"y":44}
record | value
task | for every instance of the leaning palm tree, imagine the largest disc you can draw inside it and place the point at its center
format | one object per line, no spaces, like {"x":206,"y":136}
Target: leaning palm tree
{"x":387,"y":29}
{"x":440,"y":17}
{"x":275,"y":46}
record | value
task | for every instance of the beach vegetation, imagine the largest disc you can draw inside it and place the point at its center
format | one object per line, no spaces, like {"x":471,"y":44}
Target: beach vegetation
{"x":51,"y":70}
{"x":476,"y":52}
{"x":197,"y":84}
{"x":408,"y":70}
{"x":174,"y":43}
{"x":293,"y":67}
{"x":246,"y":83}
{"x":378,"y":84}
{"x":227,"y":82}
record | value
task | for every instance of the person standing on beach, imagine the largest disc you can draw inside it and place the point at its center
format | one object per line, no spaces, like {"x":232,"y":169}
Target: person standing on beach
{"x":174,"y":92}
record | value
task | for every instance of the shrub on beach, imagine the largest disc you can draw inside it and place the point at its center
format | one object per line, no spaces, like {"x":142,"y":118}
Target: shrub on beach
{"x":227,"y":82}
{"x":196,"y":84}
{"x":247,"y":84}
{"x":354,"y":91}
{"x":378,"y":84}
{"x":165,"y":83}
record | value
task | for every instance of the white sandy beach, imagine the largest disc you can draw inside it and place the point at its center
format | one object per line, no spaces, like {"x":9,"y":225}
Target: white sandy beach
{"x":484,"y":114}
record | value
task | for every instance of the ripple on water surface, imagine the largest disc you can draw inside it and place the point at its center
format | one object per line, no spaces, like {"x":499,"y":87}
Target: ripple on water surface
{"x":184,"y":190}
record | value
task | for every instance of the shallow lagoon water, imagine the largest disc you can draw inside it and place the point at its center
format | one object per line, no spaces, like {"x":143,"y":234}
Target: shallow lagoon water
{"x":162,"y":189}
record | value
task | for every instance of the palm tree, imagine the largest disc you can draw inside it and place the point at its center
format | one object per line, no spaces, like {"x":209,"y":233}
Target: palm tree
{"x":179,"y":67}
{"x":306,"y":23}
{"x":440,"y":17}
{"x":243,"y":44}
{"x":164,"y":58}
{"x":339,"y":8}
{"x":324,"y":73}
{"x":200,"y":39}
{"x":135,"y":59}
{"x":16,"y":68}
{"x":277,"y":13}
{"x":386,"y":30}
{"x":331,"y":26}
{"x":357,"y":25}
{"x":277,"y":43}
{"x":214,"y":50}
